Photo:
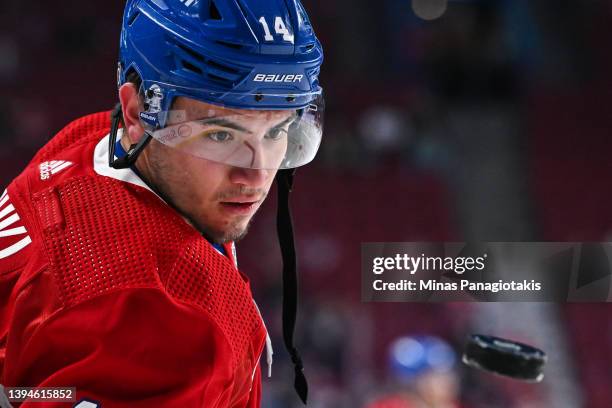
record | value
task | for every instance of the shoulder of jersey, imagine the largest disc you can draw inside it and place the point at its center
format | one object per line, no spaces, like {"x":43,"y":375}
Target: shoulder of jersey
{"x":69,"y":154}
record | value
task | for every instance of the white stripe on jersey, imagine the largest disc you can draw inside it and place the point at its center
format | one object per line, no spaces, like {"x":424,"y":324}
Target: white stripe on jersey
{"x":8,"y":217}
{"x":13,"y":249}
{"x":60,"y":167}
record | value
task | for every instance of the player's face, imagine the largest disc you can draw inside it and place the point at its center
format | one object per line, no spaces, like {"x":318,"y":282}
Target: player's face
{"x":219,"y":199}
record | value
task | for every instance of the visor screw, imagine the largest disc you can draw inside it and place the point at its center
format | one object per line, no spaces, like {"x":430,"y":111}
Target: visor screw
{"x":291,"y":98}
{"x":258,"y":97}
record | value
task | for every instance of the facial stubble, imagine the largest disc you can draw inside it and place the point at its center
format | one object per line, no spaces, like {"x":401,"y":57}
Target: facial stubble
{"x":169,"y":182}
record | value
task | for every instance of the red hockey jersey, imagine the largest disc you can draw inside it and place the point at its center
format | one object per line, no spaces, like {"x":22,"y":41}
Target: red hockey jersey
{"x":104,"y":287}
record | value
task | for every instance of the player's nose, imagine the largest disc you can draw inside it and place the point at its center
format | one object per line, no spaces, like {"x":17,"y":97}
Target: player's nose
{"x":254,"y":178}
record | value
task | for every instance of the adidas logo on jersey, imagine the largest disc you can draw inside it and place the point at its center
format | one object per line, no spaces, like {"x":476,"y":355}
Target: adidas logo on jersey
{"x":10,"y":242}
{"x":53,"y":167}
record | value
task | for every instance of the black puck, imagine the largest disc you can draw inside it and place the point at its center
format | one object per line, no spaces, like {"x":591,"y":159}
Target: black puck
{"x":505,"y":357}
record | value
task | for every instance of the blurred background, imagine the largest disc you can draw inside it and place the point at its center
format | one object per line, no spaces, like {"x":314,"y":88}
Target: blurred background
{"x":446,"y":121}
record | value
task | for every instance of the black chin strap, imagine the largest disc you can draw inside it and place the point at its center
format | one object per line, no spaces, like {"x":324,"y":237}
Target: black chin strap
{"x":132,"y":154}
{"x":284,"y":181}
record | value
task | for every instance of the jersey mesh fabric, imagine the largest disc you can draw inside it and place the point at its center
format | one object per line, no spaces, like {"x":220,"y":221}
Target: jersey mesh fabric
{"x":221,"y":294}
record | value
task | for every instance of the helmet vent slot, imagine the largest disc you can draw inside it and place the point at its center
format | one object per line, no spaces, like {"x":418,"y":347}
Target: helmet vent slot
{"x":230,"y":45}
{"x":133,"y":18}
{"x":194,"y":63}
{"x":222,"y":67}
{"x":213,"y":11}
{"x":191,"y":53}
{"x":190,"y":67}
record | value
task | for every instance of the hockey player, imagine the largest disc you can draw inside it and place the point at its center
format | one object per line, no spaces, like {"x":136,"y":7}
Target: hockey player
{"x":118,"y":272}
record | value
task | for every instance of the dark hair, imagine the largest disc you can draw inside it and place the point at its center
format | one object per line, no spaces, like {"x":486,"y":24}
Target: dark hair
{"x":134,"y":78}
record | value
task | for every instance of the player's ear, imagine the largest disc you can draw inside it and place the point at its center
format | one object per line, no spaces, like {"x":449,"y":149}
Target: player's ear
{"x":130,"y":104}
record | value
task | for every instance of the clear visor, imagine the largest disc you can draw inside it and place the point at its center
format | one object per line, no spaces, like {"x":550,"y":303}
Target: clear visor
{"x":254,"y":139}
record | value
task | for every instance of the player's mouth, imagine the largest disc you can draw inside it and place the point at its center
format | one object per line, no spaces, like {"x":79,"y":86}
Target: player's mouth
{"x":239,"y":207}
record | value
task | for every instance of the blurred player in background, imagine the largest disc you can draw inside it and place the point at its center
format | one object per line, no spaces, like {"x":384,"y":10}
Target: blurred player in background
{"x":118,"y":271}
{"x":423,"y":375}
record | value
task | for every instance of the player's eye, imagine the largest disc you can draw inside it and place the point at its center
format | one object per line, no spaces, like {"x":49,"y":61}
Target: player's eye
{"x":276,"y":133}
{"x":220,"y":136}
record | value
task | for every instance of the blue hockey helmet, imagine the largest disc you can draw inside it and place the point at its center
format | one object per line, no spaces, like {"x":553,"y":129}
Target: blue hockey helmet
{"x":238,"y":54}
{"x":247,"y":54}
